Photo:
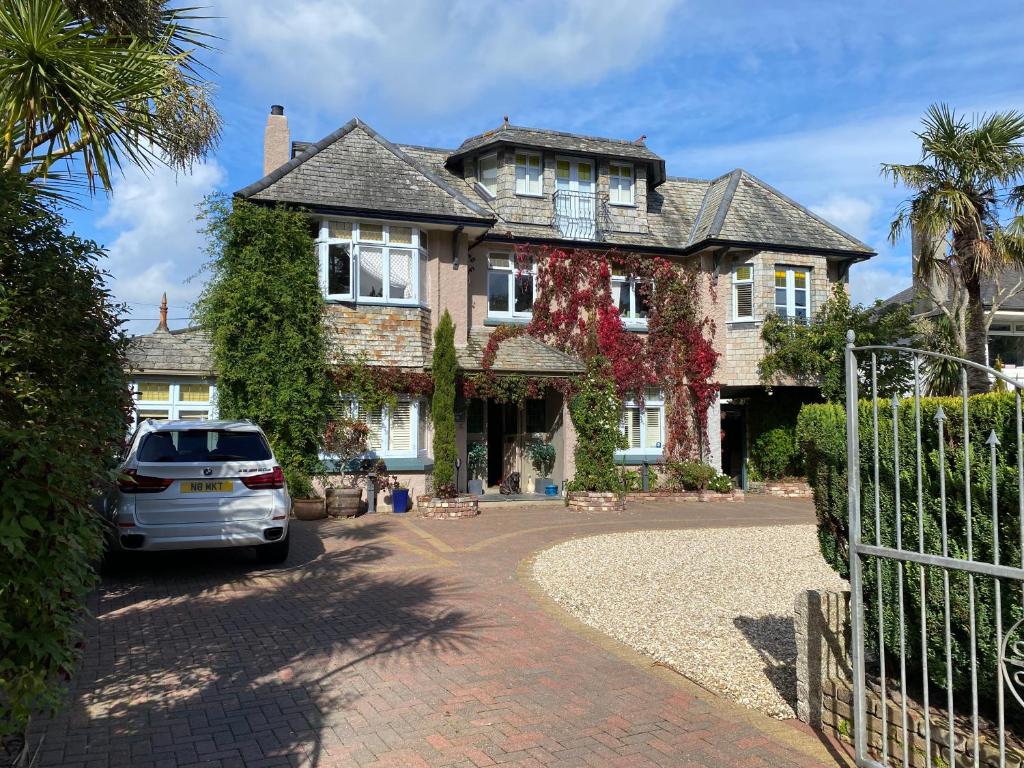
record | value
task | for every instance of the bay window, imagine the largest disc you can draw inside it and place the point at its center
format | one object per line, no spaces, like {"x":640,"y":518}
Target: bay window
{"x":630,"y":295}
{"x":620,"y":184}
{"x":172,"y":400}
{"x":372,"y":263}
{"x":792,"y":289}
{"x":529,"y":174}
{"x":487,"y":174}
{"x":510,"y":287}
{"x":396,"y":430}
{"x":644,"y":425}
{"x":743,"y":292}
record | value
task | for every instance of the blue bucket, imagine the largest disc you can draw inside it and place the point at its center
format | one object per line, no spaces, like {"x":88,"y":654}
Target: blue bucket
{"x":400,"y":499}
{"x":551,"y":490}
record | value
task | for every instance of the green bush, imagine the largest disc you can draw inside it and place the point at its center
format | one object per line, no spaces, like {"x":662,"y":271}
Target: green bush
{"x":542,"y":455}
{"x":720,"y":484}
{"x":821,"y":431}
{"x":442,"y":407}
{"x":477,"y":459}
{"x":596,"y":412}
{"x":774,"y":453}
{"x":64,"y":400}
{"x":264,"y":311}
{"x":690,"y":475}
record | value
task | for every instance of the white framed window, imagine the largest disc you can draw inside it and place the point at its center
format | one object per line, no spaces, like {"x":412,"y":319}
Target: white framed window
{"x":173,"y":399}
{"x":630,"y":295}
{"x":372,"y":263}
{"x":529,"y":174}
{"x":792,"y":293}
{"x":620,"y":184}
{"x":487,"y":174}
{"x":510,"y":288}
{"x":1006,"y":343}
{"x":644,"y":426}
{"x":396,"y":431}
{"x":743,"y":292}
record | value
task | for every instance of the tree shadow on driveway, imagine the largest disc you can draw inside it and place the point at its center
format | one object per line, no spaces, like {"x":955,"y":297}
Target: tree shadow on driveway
{"x":203,"y":657}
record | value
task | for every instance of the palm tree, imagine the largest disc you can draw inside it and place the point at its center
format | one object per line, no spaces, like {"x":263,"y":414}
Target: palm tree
{"x":967,"y":183}
{"x":88,"y":85}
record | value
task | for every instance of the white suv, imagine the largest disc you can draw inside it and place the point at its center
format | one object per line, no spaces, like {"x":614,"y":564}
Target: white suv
{"x":200,"y":484}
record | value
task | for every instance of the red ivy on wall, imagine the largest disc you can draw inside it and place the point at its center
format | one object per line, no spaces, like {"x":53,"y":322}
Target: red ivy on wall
{"x":574,"y":311}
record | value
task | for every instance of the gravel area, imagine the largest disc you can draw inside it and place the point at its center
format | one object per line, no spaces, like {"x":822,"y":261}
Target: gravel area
{"x":716,"y":604}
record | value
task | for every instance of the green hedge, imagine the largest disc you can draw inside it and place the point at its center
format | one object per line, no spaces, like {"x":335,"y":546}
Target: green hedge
{"x":821,"y":431}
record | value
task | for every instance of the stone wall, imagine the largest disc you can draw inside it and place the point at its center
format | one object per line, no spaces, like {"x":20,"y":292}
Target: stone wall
{"x":735,"y":495}
{"x":447,"y":509}
{"x":825,"y":697}
{"x":788,"y":489}
{"x":589,"y":501}
{"x":624,"y":218}
{"x":398,"y":336}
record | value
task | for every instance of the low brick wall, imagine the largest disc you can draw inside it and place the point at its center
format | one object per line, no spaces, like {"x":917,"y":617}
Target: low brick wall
{"x":735,"y":495}
{"x":789,"y":489}
{"x":587,"y":501}
{"x":825,"y":695}
{"x":447,"y":509}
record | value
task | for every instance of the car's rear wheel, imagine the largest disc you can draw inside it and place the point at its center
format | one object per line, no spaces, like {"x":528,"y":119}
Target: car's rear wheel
{"x":274,"y":553}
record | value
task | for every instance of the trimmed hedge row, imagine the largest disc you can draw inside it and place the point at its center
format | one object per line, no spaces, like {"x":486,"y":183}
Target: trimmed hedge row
{"x":821,"y":432}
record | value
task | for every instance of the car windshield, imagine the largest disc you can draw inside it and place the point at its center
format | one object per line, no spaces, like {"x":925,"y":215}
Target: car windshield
{"x":183,"y":445}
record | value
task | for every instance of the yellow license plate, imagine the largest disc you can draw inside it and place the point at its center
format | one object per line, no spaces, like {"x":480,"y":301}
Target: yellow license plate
{"x":206,"y":486}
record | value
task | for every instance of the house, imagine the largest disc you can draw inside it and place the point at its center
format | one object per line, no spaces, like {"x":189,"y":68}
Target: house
{"x":1002,"y":299}
{"x":405,"y":232}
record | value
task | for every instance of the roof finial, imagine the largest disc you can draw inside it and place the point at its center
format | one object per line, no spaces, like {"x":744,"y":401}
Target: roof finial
{"x":642,"y":139}
{"x":163,"y":314}
{"x":505,"y":122}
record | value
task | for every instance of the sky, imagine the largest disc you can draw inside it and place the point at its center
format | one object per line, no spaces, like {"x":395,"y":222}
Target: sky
{"x":809,"y":96}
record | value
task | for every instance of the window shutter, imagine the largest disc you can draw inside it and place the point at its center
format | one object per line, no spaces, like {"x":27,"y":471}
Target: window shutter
{"x":400,"y":433}
{"x":745,"y":300}
{"x":653,"y":436}
{"x":631,"y":424}
{"x":373,"y":420}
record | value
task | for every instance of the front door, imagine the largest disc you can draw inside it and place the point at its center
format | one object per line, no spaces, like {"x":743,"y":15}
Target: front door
{"x":575,"y":212}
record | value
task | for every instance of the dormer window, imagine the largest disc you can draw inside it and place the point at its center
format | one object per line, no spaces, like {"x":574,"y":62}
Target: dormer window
{"x":487,"y":174}
{"x":620,"y":184}
{"x":529,"y":174}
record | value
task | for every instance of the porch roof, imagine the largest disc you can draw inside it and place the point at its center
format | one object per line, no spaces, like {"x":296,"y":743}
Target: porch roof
{"x":520,"y":354}
{"x":187,"y":352}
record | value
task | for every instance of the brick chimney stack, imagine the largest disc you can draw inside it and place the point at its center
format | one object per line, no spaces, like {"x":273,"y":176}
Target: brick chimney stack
{"x":163,"y":314}
{"x":276,"y":142}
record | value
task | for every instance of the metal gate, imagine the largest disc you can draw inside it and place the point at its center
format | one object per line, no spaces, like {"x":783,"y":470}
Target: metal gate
{"x":937,"y":606}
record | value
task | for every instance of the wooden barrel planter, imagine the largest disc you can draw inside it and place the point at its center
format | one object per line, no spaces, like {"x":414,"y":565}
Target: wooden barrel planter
{"x":343,"y":502}
{"x":308,"y":509}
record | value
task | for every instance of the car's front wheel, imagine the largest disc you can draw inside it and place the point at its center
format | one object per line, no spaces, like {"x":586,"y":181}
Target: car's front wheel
{"x":274,"y":553}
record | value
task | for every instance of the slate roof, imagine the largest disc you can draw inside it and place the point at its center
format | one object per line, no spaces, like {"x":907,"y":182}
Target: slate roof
{"x":356,"y":168}
{"x":520,"y":354}
{"x":187,"y":352}
{"x":559,"y":140}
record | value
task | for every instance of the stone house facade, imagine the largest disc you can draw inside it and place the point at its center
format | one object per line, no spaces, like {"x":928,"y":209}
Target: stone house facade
{"x":406,"y":232}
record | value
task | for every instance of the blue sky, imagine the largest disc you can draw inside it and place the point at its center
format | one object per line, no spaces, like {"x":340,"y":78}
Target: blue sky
{"x":810,"y":96}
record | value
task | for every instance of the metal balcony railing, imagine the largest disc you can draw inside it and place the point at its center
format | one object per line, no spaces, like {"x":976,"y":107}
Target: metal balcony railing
{"x":580,"y":215}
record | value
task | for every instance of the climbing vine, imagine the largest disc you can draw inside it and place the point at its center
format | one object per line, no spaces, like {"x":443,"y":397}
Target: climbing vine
{"x":574,"y":310}
{"x":378,"y":386}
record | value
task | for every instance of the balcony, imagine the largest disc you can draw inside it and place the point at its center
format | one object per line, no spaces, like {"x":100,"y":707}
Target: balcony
{"x":580,"y":215}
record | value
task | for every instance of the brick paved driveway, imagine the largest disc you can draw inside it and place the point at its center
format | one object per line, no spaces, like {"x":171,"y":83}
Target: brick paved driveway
{"x":395,"y":641}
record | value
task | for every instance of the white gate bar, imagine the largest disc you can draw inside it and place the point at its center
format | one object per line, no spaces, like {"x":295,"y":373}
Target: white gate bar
{"x":899,"y":574}
{"x":853,"y":499}
{"x":953,"y":563}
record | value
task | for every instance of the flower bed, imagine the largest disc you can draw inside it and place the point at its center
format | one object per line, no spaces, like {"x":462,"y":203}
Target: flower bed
{"x":447,"y":509}
{"x":734,"y":495}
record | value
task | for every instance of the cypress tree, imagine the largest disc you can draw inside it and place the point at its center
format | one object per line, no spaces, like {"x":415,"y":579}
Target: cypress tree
{"x":442,"y":407}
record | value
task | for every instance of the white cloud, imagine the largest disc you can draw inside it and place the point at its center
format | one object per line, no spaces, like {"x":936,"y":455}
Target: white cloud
{"x":156,"y":246}
{"x":852,"y":214}
{"x":428,"y":56}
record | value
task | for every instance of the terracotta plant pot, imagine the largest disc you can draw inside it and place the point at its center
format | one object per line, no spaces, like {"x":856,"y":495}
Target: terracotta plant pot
{"x":343,"y":502}
{"x":309,"y":509}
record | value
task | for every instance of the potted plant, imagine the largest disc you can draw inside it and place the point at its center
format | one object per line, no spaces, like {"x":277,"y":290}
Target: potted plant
{"x":477,"y":460}
{"x":346,"y":439}
{"x":306,"y":505}
{"x":542,"y":454}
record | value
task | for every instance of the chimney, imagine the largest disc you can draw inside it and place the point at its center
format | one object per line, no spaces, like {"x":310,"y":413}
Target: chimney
{"x":163,"y":314}
{"x":276,"y":144}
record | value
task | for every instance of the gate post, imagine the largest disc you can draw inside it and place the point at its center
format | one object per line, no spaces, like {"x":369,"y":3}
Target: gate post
{"x":853,"y":502}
